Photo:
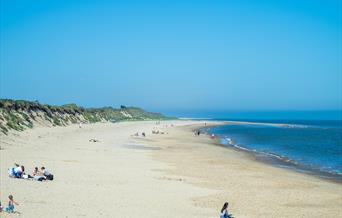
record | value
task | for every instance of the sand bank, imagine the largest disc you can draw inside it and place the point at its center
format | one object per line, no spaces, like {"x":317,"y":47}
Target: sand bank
{"x":167,"y":175}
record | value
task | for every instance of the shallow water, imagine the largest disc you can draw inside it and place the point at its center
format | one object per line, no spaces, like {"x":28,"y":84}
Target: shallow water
{"x":314,"y":146}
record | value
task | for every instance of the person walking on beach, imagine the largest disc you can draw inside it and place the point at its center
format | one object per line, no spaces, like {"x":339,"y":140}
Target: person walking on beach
{"x":11,"y":203}
{"x":224,"y":211}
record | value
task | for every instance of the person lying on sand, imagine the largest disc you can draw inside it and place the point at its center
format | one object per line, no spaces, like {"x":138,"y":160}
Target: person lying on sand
{"x":11,"y":203}
{"x":16,"y":171}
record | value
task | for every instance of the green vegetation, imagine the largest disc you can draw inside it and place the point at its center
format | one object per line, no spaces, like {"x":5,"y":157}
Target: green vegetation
{"x":21,"y":114}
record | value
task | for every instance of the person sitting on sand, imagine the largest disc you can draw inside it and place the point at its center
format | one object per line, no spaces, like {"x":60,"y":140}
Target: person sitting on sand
{"x":11,"y":203}
{"x":224,"y":211}
{"x":37,"y":175}
{"x":16,"y":171}
{"x":36,"y":172}
{"x":46,"y":173}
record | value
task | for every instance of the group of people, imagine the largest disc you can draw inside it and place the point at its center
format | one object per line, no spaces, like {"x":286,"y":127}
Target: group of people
{"x":137,"y":134}
{"x":157,"y":132}
{"x":18,"y":171}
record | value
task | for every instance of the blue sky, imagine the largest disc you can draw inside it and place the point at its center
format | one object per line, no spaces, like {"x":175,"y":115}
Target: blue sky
{"x":174,"y":55}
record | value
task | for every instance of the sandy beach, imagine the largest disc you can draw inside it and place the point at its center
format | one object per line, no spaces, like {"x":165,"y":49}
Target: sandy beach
{"x":175,"y":174}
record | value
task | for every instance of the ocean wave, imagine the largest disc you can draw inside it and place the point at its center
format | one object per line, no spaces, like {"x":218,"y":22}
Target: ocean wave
{"x":294,"y":126}
{"x":230,"y":142}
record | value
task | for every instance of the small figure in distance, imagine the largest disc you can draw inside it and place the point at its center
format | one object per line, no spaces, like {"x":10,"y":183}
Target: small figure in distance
{"x":17,"y":171}
{"x":46,"y":173}
{"x":37,"y":175}
{"x":143,"y":134}
{"x":224,"y":211}
{"x":11,"y":203}
{"x":0,"y":207}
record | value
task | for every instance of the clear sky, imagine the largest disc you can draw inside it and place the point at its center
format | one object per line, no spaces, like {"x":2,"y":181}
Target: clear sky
{"x":184,"y":55}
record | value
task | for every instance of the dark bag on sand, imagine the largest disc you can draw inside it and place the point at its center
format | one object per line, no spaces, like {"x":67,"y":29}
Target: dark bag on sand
{"x":49,"y":177}
{"x":41,"y":179}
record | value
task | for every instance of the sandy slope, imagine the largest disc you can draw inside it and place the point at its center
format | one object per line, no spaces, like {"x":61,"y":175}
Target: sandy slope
{"x":170,"y":175}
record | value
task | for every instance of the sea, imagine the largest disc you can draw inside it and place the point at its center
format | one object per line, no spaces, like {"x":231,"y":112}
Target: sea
{"x":307,"y":146}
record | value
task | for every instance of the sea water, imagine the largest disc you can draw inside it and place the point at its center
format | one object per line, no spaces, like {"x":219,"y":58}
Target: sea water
{"x":308,"y":146}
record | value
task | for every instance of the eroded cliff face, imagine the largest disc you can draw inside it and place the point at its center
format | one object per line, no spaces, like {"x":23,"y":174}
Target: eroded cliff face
{"x":19,"y":115}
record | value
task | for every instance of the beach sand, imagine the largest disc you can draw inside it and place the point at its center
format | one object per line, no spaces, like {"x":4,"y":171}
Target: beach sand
{"x":175,"y":174}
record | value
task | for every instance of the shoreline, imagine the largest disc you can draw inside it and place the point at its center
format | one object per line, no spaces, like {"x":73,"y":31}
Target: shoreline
{"x":216,"y":167}
{"x":275,"y":160}
{"x":283,"y":163}
{"x":174,"y":174}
